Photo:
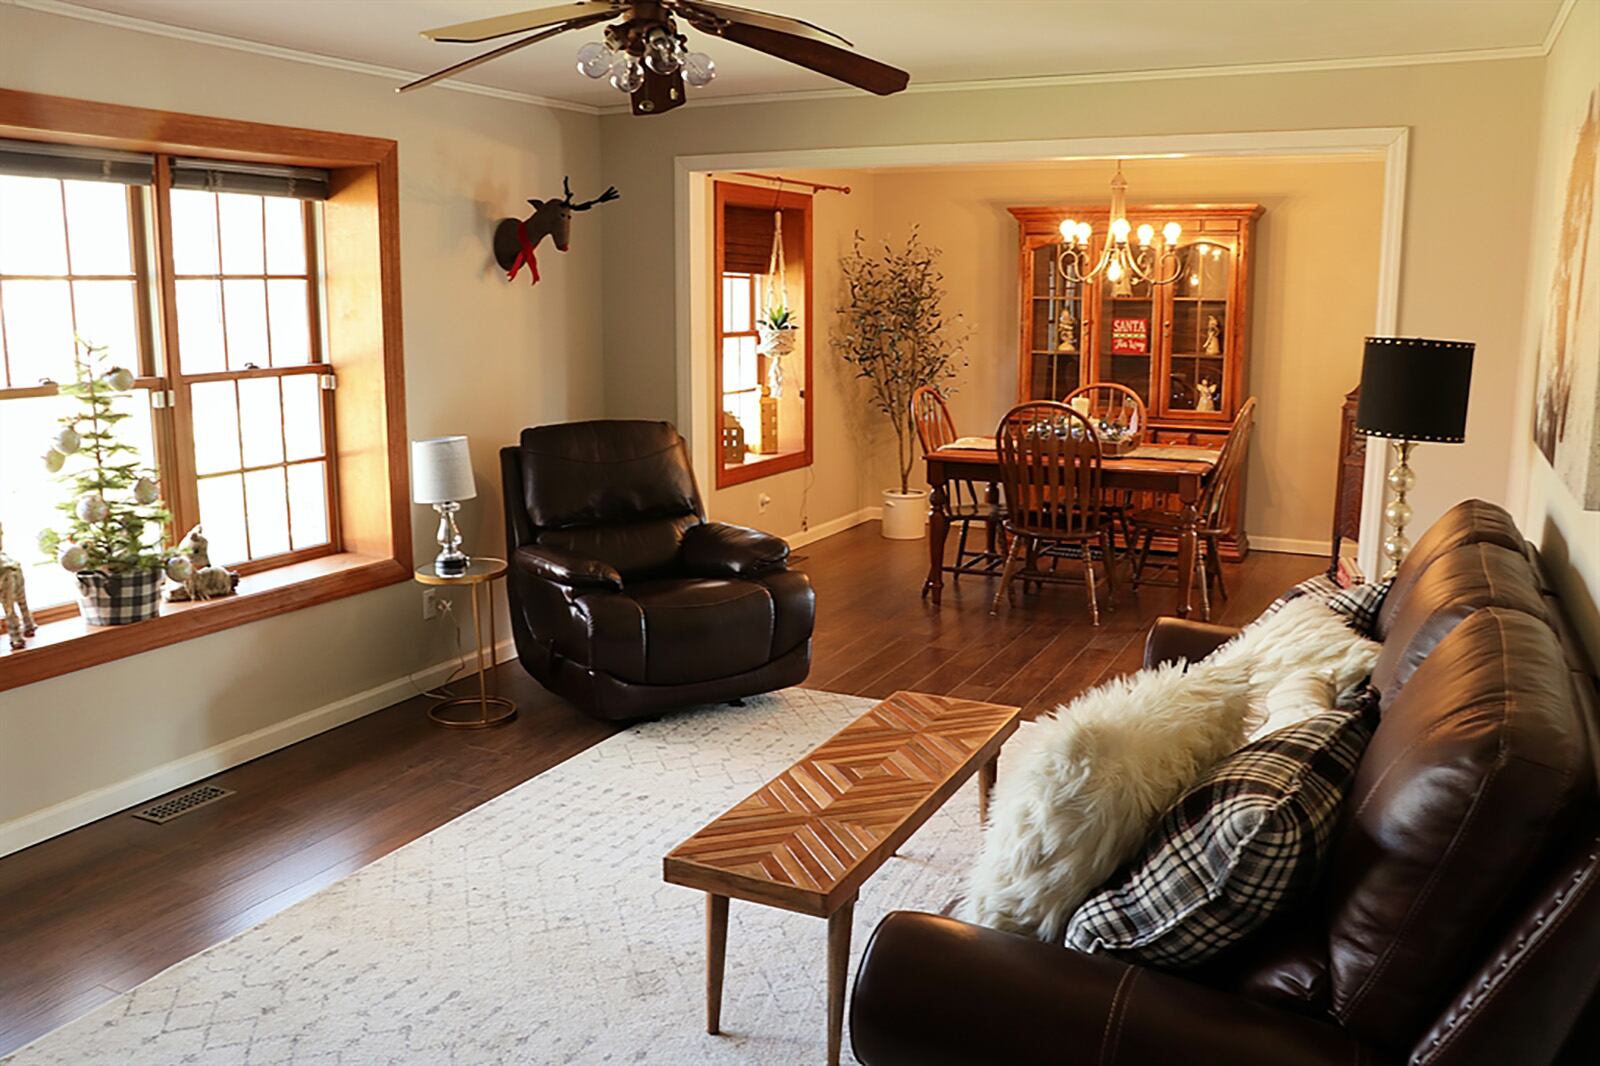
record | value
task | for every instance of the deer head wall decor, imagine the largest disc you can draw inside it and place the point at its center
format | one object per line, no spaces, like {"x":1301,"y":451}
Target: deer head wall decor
{"x":515,"y":239}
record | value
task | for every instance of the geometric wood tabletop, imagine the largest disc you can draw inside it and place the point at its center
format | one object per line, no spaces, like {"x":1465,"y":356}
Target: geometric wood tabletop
{"x":808,"y":839}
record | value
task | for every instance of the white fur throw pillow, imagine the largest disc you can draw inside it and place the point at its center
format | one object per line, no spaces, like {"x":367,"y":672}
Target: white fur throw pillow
{"x":1081,"y":788}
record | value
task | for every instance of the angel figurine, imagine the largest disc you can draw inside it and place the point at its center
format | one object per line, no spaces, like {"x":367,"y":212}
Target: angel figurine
{"x":1213,"y":345}
{"x":1205,"y":394}
{"x":1067,"y":329}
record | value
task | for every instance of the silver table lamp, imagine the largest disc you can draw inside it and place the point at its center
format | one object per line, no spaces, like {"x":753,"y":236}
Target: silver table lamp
{"x":441,"y":475}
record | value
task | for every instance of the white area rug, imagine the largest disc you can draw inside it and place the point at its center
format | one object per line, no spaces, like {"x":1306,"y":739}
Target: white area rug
{"x":536,"y":928}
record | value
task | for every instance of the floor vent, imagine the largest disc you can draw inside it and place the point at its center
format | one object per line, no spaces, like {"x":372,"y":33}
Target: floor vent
{"x":182,"y":803}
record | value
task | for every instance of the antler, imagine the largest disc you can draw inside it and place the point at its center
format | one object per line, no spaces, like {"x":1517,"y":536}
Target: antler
{"x":606,"y":197}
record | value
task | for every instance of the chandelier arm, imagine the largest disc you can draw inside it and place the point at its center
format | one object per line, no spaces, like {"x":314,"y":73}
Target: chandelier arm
{"x":1177,"y":267}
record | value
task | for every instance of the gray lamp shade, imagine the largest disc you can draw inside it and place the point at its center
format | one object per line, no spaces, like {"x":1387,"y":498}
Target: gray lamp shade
{"x":1415,"y":389}
{"x":441,"y":471}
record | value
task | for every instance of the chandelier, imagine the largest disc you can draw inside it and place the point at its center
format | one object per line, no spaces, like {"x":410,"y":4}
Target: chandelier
{"x":1123,"y":262}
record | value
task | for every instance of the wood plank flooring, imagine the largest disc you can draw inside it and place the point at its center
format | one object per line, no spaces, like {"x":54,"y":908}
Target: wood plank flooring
{"x":97,"y":911}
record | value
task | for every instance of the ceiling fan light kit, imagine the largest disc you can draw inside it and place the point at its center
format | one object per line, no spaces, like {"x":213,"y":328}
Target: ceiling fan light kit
{"x":645,"y":56}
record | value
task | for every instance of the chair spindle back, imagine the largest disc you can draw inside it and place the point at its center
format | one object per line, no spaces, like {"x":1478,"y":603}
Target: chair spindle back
{"x":1214,"y":505}
{"x":1049,"y":460}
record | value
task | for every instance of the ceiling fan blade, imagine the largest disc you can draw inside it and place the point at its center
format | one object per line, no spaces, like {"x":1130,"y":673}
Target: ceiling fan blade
{"x":521,"y":22}
{"x":765,"y":20}
{"x":848,"y":67}
{"x":505,"y":49}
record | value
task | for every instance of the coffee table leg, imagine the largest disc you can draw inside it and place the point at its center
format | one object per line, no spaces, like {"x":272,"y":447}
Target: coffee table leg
{"x":986,"y":777}
{"x":838,"y":971}
{"x":716,"y":957}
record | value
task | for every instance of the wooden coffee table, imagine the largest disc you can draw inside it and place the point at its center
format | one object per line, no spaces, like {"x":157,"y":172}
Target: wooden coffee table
{"x":807,"y":840}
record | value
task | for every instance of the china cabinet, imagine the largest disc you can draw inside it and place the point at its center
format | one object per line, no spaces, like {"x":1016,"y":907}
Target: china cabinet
{"x":1183,"y":347}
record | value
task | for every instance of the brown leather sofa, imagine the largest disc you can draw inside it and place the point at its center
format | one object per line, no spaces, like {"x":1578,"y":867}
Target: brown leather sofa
{"x":1458,"y":921}
{"x":624,"y":599}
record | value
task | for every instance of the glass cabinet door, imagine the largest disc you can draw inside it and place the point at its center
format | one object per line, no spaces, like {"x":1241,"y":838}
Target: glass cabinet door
{"x":1056,"y":329}
{"x":1196,"y":362}
{"x":1126,"y":332}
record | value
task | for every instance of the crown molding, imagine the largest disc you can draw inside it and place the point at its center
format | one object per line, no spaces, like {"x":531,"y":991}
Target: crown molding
{"x":239,"y":44}
{"x":1558,"y":24}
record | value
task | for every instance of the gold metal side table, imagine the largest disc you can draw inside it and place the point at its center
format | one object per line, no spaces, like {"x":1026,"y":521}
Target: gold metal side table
{"x":485,"y":709}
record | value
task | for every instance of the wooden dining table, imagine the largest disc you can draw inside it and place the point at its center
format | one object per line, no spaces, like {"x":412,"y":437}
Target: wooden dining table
{"x":1179,"y":469}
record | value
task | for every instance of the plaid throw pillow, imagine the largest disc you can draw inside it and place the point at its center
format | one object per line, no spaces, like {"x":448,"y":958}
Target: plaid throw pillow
{"x":1359,"y":604}
{"x":1243,"y":845}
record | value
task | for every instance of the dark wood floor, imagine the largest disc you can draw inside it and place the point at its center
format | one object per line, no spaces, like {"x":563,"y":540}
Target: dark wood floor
{"x":98,"y":910}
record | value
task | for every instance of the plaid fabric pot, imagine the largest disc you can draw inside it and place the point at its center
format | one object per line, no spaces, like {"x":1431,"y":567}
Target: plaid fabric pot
{"x":117,"y":599}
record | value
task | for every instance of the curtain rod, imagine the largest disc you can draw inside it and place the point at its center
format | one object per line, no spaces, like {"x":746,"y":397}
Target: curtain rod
{"x":815,"y":186}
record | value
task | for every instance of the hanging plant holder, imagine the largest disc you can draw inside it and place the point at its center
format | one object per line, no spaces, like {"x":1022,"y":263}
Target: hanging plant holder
{"x":777,"y":327}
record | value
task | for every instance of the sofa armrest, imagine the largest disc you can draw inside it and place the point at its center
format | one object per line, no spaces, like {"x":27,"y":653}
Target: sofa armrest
{"x":717,"y":549}
{"x":566,"y":568}
{"x":1172,"y":639}
{"x":933,"y":991}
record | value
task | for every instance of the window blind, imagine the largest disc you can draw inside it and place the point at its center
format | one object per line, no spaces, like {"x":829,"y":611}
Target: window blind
{"x":33,"y":159}
{"x":257,"y":179}
{"x":746,"y":239}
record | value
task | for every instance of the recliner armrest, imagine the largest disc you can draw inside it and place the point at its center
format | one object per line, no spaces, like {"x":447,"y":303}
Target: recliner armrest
{"x":933,"y":991}
{"x":717,"y":549}
{"x":1172,"y":639}
{"x":566,"y":568}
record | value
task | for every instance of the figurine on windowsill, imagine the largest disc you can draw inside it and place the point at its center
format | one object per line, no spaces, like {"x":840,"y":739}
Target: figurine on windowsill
{"x":14,"y":611}
{"x":197,"y":579}
{"x":1067,"y":328}
{"x":1213,"y":345}
{"x":1205,"y":394}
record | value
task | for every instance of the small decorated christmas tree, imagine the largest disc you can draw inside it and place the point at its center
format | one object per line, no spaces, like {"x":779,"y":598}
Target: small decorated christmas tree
{"x":115,"y":519}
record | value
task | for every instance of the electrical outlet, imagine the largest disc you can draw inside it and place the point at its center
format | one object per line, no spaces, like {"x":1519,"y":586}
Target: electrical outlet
{"x":763,"y":502}
{"x":434,"y":604}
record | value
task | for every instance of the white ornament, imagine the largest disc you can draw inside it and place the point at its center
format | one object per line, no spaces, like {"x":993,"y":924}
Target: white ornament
{"x":120,"y":379}
{"x":179,"y":568}
{"x":93,"y":508}
{"x":54,"y":459}
{"x":68,"y":441}
{"x":72,"y":558}
{"x":145,"y":491}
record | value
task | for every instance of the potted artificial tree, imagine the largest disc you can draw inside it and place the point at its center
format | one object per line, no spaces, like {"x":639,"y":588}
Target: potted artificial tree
{"x":894,"y":331}
{"x":115,"y":519}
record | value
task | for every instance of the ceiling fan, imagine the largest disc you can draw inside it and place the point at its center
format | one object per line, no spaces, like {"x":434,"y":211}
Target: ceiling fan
{"x":645,"y":55}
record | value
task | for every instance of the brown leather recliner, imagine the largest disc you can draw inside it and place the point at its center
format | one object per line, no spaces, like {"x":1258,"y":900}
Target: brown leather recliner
{"x":624,"y":599}
{"x":1459,"y":919}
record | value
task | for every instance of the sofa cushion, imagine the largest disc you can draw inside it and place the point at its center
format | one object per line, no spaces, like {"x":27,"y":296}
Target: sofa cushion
{"x":1244,"y":845}
{"x":1458,"y":583}
{"x":699,"y":628}
{"x":1468,"y":522}
{"x":1475,"y":770}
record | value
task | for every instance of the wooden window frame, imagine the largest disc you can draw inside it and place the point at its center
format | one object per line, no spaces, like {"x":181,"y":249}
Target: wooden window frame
{"x":361,"y":250}
{"x":754,"y":196}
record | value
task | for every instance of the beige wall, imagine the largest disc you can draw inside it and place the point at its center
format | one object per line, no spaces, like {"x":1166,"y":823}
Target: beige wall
{"x":482,"y":357}
{"x":1314,"y":295}
{"x":1470,"y":170}
{"x":1567,"y":535}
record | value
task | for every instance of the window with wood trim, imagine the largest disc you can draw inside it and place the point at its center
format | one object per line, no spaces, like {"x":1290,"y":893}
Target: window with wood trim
{"x":231,"y":406}
{"x":762,"y":373}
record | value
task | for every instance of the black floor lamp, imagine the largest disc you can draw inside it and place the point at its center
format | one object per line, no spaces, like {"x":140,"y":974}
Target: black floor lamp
{"x":1412,"y":390}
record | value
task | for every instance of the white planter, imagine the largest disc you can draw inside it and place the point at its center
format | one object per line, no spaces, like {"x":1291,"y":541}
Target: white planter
{"x":905,"y":514}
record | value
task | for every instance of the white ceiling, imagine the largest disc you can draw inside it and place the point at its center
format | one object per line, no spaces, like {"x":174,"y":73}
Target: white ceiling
{"x":938,"y":41}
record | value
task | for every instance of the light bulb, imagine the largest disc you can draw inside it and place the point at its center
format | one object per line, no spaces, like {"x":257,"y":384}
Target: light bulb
{"x":1114,"y":271}
{"x":1119,"y":229}
{"x":1146,"y":233}
{"x":698,"y":69}
{"x":594,"y":60}
{"x":1069,"y":228}
{"x":1084,"y":232}
{"x":1170,"y":232}
{"x":661,"y":54}
{"x":627,"y":73}
{"x":1194,"y":279}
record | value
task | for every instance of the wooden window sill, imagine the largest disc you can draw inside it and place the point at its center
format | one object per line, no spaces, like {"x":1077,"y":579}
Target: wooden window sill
{"x":762,"y":466}
{"x":69,"y":644}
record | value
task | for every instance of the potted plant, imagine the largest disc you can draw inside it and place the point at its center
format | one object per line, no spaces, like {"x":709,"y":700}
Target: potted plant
{"x":115,"y":521}
{"x":777,"y":328}
{"x":893,"y":329}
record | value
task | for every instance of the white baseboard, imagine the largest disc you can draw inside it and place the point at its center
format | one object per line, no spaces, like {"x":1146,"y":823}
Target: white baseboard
{"x":836,"y":525}
{"x":1291,"y":546}
{"x":69,"y":814}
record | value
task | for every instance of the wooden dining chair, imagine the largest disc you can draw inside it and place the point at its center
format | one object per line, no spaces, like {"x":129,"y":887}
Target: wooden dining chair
{"x":1214,"y":523}
{"x":968,"y":504}
{"x":1049,"y":459}
{"x":1121,"y":408}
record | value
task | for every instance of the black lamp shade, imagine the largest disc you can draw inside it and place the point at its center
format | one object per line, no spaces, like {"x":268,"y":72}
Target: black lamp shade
{"x":1415,"y":389}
